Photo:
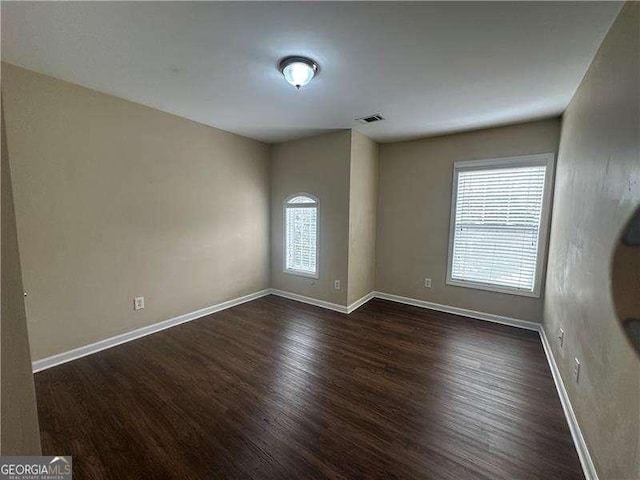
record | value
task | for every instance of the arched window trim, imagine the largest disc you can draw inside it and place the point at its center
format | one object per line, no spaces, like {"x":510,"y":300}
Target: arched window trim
{"x":290,"y":203}
{"x":313,"y":203}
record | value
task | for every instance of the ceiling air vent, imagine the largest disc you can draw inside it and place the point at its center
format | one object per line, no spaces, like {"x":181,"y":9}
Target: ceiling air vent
{"x":370,"y":119}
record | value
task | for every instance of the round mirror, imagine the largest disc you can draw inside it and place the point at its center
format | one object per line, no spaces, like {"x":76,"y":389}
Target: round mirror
{"x":625,"y":280}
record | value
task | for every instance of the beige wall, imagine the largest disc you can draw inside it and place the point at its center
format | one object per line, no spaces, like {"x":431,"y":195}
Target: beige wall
{"x":414,"y":206}
{"x":19,"y":430}
{"x":318,"y":165}
{"x":363,"y":198}
{"x":116,"y":200}
{"x":597,"y":188}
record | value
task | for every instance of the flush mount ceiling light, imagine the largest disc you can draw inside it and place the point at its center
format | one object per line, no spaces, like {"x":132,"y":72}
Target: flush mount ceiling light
{"x":298,"y":71}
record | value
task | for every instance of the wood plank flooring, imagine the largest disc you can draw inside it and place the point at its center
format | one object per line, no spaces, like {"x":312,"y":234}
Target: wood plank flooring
{"x":276,"y":389}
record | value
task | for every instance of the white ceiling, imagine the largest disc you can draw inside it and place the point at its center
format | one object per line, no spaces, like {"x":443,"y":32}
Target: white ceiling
{"x":429,"y":68}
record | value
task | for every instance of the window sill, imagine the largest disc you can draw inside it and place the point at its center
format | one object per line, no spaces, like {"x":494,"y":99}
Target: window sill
{"x":300,"y":273}
{"x":493,"y":288}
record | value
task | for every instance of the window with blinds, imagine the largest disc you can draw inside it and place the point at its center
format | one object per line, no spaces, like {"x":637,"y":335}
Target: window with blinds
{"x":301,"y":235}
{"x":499,"y":221}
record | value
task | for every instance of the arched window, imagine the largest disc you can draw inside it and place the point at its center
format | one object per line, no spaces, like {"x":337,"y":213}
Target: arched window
{"x":301,"y":235}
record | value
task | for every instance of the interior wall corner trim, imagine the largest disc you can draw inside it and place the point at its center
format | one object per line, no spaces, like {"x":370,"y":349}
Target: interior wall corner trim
{"x":361,"y":301}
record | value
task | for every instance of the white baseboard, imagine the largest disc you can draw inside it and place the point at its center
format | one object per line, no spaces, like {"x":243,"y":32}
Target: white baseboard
{"x":576,"y":434}
{"x":65,"y":357}
{"x":489,"y":317}
{"x":588,"y":467}
{"x":309,"y":300}
{"x":322,"y":303}
{"x":358,"y":303}
{"x":79,"y":352}
{"x":580,"y":444}
{"x":514,"y":322}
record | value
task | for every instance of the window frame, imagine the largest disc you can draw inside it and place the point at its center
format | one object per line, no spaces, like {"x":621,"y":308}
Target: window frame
{"x":540,"y":159}
{"x":285,"y":205}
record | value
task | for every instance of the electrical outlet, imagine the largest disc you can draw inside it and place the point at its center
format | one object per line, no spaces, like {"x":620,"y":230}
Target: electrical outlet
{"x":336,"y":284}
{"x":576,"y":369}
{"x":427,"y":283}
{"x":561,"y":337}
{"x":138,"y":303}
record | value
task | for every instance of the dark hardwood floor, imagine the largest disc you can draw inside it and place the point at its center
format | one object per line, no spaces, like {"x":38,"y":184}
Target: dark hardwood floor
{"x":275,"y":389}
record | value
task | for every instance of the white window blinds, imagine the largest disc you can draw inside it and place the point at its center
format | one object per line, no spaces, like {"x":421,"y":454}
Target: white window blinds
{"x":301,"y":235}
{"x":499,"y":211}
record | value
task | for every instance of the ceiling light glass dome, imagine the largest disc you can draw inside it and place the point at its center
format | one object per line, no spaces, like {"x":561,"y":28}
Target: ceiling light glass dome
{"x":298,"y":71}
